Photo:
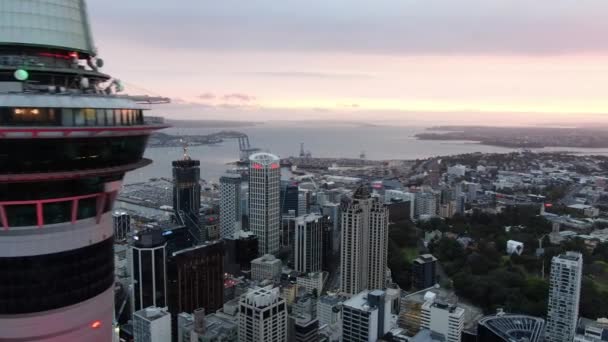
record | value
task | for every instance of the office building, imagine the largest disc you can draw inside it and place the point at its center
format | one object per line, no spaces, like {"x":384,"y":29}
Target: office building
{"x":240,"y":251}
{"x":122,"y":225}
{"x":308,"y":248}
{"x":266,"y":267}
{"x":152,"y":325}
{"x":442,"y":318}
{"x":187,"y":195}
{"x":66,"y":142}
{"x":196,"y":279}
{"x":329,"y":309}
{"x":198,"y":327}
{"x":289,"y":197}
{"x":510,"y":328}
{"x":591,"y":331}
{"x":305,"y":329}
{"x":311,"y":282}
{"x":262,"y":316}
{"x":423,"y":271}
{"x":564,"y":296}
{"x":366,"y":317}
{"x":303,"y":202}
{"x":148,"y":255}
{"x":364,"y":247}
{"x":230,"y":205}
{"x":264,"y":206}
{"x":425,"y":204}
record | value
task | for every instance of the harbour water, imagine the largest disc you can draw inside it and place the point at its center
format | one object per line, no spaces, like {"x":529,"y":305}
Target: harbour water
{"x":327,"y":140}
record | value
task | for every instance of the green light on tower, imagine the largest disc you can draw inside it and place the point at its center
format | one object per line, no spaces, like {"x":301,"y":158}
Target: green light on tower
{"x":21,"y":75}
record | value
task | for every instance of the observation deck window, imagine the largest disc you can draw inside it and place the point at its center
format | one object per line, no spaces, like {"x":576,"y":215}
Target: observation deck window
{"x":52,"y":211}
{"x":70,"y":117}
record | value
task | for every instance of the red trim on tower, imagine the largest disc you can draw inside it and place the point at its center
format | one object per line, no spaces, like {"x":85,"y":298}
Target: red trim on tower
{"x":74,"y":216}
{"x":39,"y":215}
{"x":3,"y":219}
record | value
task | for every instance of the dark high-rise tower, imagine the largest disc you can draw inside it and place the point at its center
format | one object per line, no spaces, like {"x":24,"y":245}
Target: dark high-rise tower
{"x":65,"y":144}
{"x":187,"y":194}
{"x":149,"y":270}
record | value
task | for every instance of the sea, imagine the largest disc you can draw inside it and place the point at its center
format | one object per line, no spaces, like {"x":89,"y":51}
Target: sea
{"x":335,"y":140}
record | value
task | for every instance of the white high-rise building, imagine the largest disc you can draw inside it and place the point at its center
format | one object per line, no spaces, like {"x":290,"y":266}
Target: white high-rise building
{"x":367,"y":317}
{"x":425,"y":204}
{"x":564,"y":296}
{"x":262,"y":316}
{"x":308,"y":246}
{"x":441,"y":318}
{"x":152,"y":325}
{"x":363,"y":260}
{"x":264,"y":201}
{"x":230,"y":205}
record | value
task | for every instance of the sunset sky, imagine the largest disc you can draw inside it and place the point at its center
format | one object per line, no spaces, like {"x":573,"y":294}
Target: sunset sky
{"x":507,"y":61}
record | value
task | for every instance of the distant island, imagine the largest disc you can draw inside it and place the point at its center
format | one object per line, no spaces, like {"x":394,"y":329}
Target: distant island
{"x":167,"y":140}
{"x":521,"y":137}
{"x":209,"y":123}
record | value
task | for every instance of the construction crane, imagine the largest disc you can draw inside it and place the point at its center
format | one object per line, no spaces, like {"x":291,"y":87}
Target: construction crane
{"x":245,"y":148}
{"x":540,"y":252}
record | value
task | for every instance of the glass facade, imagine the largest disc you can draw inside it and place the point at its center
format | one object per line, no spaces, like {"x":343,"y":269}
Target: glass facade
{"x":70,"y":117}
{"x":45,"y":282}
{"x":53,"y":155}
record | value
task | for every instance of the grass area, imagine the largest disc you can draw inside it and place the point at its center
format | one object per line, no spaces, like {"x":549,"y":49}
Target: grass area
{"x":600,"y":277}
{"x":409,"y":253}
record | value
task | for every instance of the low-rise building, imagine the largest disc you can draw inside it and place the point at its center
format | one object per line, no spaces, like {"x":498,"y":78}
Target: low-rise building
{"x":266,"y":267}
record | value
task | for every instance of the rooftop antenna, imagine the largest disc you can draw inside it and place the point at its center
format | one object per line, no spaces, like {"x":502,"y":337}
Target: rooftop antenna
{"x":185,"y":147}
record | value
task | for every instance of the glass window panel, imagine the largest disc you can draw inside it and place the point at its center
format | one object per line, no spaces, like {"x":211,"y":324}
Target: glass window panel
{"x":101,"y":117}
{"x":87,"y":208}
{"x":109,"y":117}
{"x":125,"y":117}
{"x":117,"y":117}
{"x":21,"y":215}
{"x":78,"y":117}
{"x":67,"y":117}
{"x":59,"y":212}
{"x":89,"y":116}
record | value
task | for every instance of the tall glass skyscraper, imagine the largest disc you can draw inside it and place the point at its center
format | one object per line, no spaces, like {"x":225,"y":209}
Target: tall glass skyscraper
{"x":65,"y":144}
{"x":264,"y":206}
{"x":230,"y":205}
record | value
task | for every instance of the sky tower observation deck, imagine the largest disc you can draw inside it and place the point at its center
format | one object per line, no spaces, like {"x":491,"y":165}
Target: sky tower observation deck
{"x":66,"y":140}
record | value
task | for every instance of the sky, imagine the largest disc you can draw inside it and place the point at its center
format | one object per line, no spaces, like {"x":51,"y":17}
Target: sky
{"x":405,"y":61}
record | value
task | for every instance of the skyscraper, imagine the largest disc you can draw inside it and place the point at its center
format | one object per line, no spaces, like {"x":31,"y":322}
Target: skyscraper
{"x":564,"y":296}
{"x":196,"y":278}
{"x":187,"y":194}
{"x":262,"y":316}
{"x":364,"y":248}
{"x":148,"y":256}
{"x":308,"y":248}
{"x":122,"y":225}
{"x":230,"y":205}
{"x":65,"y":145}
{"x":264,"y":208}
{"x":289,"y":197}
